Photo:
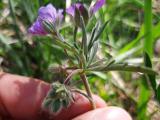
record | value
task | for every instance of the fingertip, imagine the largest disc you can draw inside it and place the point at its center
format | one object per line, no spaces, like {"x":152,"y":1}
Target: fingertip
{"x":107,"y":113}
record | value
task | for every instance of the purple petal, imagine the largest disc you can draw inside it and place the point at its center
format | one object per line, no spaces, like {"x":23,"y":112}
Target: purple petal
{"x":48,"y":13}
{"x":60,"y":15}
{"x":97,"y":6}
{"x":71,"y":9}
{"x":37,"y":29}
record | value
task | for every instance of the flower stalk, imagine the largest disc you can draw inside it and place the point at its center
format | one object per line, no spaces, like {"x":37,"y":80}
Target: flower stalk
{"x":88,"y":89}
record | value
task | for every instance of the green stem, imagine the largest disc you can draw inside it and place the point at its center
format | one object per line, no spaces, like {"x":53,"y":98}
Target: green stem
{"x":148,"y":42}
{"x":88,"y":89}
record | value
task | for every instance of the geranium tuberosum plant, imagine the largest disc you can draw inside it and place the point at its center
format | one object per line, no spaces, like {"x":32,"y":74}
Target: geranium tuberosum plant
{"x":82,"y":54}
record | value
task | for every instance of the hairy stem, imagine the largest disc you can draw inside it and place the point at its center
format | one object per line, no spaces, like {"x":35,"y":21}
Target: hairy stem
{"x":88,"y":90}
{"x":82,"y":93}
{"x":71,"y":75}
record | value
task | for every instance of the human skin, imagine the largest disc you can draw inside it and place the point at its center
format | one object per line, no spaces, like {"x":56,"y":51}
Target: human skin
{"x":21,"y":98}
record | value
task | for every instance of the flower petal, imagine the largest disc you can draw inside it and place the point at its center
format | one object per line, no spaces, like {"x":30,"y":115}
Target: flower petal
{"x":71,"y":9}
{"x":60,"y":15}
{"x":37,"y":28}
{"x":48,"y":12}
{"x":97,"y":6}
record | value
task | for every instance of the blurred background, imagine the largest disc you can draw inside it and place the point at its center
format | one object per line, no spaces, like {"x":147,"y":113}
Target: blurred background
{"x":25,"y":55}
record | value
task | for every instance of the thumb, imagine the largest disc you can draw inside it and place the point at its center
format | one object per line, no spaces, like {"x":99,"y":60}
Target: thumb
{"x":107,"y":113}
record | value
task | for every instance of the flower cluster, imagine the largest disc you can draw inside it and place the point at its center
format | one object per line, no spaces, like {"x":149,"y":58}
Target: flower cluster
{"x":49,"y":19}
{"x":46,"y":14}
{"x":92,"y":9}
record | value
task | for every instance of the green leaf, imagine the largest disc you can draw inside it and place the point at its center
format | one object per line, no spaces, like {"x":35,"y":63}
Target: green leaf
{"x":84,"y":38}
{"x":124,"y":67}
{"x":65,"y":45}
{"x":93,"y":53}
{"x":158,"y":94}
{"x":110,"y":62}
{"x":101,"y":29}
{"x":51,"y":93}
{"x":46,"y":103}
{"x":92,"y":36}
{"x":152,"y":78}
{"x":56,"y":106}
{"x":65,"y":103}
{"x":96,"y":63}
{"x":75,"y":36}
{"x":134,"y":42}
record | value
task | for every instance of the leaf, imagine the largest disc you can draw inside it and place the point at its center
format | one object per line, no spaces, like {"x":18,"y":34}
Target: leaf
{"x":101,"y":29}
{"x":46,"y":103}
{"x":96,"y":63}
{"x":92,"y":36}
{"x":158,"y":94}
{"x":134,"y":42}
{"x":56,"y":106}
{"x":51,"y":93}
{"x":93,"y":53}
{"x":107,"y":45}
{"x":58,"y":97}
{"x":84,"y":38}
{"x":65,"y":103}
{"x":75,"y":36}
{"x":110,"y":62}
{"x":108,"y":55}
{"x":7,"y":40}
{"x":152,"y":78}
{"x":125,"y":67}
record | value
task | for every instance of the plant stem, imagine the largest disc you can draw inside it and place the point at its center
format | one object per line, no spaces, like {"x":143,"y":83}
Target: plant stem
{"x":71,"y":75}
{"x":82,"y":93}
{"x":148,"y":41}
{"x":88,"y":90}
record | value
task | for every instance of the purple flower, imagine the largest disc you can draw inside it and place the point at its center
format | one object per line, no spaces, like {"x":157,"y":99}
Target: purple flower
{"x":71,"y":9}
{"x":48,"y":14}
{"x":79,"y":6}
{"x":97,"y":6}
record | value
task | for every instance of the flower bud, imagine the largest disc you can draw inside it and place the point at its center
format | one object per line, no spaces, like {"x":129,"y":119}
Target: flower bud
{"x":77,"y":10}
